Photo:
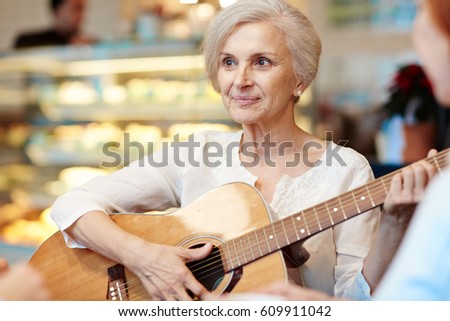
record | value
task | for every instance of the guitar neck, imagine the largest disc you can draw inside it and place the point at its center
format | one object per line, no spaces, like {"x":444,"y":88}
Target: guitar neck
{"x":273,"y":237}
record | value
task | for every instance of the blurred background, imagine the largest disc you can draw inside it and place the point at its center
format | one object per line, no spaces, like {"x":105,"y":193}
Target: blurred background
{"x":76,"y":75}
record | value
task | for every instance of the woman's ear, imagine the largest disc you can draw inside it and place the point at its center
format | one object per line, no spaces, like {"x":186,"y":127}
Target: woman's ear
{"x":298,"y":91}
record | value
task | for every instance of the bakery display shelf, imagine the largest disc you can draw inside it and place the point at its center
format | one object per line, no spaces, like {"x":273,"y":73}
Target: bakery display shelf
{"x":193,"y":111}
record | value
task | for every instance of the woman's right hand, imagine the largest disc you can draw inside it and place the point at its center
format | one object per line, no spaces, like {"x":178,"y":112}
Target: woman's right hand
{"x":163,"y":272}
{"x":161,"y":268}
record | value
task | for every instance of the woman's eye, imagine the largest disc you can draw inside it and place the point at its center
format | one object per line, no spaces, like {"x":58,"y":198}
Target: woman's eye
{"x":228,"y":62}
{"x":263,"y":62}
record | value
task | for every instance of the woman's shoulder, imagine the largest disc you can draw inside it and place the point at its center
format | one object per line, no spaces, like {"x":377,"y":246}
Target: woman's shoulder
{"x":337,"y":154}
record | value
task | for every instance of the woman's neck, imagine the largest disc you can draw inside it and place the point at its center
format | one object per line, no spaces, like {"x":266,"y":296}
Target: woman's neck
{"x":276,"y":142}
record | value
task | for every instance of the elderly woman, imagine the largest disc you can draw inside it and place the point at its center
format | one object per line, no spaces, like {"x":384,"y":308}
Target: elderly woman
{"x":260,"y":56}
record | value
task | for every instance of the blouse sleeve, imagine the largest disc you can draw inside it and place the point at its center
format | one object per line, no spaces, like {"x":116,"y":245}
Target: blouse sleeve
{"x":147,"y":184}
{"x":353,"y":239}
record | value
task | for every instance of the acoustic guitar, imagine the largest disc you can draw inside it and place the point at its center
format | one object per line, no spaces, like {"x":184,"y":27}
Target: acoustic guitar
{"x":233,"y":217}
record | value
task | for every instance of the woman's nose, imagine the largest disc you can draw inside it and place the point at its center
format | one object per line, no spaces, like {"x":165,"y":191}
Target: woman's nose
{"x":243,"y":77}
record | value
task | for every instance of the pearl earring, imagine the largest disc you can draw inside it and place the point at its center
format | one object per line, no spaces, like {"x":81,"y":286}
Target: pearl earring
{"x":299,"y":93}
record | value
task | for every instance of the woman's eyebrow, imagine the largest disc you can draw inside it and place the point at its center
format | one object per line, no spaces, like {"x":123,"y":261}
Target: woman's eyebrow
{"x":256,"y":54}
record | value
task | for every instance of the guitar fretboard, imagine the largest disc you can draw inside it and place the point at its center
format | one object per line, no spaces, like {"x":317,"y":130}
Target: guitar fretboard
{"x":273,"y":237}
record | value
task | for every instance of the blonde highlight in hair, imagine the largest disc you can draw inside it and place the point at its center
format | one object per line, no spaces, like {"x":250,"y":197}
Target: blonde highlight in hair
{"x":299,"y":33}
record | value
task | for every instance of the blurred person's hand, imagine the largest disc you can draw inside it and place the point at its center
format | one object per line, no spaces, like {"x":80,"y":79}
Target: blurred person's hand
{"x":21,"y":283}
{"x":276,"y":291}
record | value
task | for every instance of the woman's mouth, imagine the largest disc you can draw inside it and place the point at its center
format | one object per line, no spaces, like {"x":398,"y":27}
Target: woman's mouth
{"x":245,"y":100}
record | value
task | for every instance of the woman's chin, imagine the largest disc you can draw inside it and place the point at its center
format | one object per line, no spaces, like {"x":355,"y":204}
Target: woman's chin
{"x":244,"y":117}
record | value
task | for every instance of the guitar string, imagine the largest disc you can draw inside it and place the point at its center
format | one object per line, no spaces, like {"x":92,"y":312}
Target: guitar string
{"x":133,"y":288}
{"x":216,"y":269}
{"x":376,"y":192}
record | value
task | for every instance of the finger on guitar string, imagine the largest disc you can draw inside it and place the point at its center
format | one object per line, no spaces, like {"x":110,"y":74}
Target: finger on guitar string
{"x":197,"y":289}
{"x":423,"y":173}
{"x":408,"y":179}
{"x":173,"y":290}
{"x":191,"y":283}
{"x":195,"y":254}
{"x":157,"y":289}
{"x":152,"y":289}
{"x":398,"y":202}
{"x":432,"y":152}
{"x":182,"y":295}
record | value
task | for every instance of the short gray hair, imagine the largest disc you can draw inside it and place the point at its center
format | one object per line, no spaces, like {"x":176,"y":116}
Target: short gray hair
{"x":299,"y":33}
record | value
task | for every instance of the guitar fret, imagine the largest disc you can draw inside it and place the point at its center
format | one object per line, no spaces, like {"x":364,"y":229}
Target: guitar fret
{"x":259,"y":244}
{"x":265,"y":246}
{"x":295,"y":227}
{"x":243,"y":250}
{"x":384,"y":186}
{"x":329,"y":214}
{"x":306,"y":223}
{"x":290,"y":230}
{"x":285,"y":233}
{"x":356,"y":203}
{"x":322,"y":212}
{"x":250,"y":246}
{"x":235,"y":250}
{"x":245,"y":246}
{"x":273,"y":240}
{"x":336,"y":210}
{"x":317,"y":218}
{"x":270,"y":239}
{"x":370,"y":196}
{"x":229,"y":255}
{"x":267,"y":241}
{"x":274,"y":235}
{"x":437,"y":166}
{"x":342,"y":208}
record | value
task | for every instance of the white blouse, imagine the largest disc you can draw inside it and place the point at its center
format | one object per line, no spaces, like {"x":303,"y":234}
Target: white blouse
{"x":179,"y":174}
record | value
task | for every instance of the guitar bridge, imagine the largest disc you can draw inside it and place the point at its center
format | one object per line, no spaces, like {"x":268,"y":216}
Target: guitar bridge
{"x":117,"y":284}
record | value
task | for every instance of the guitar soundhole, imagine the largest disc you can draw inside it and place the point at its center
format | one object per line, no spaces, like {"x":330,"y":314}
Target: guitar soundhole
{"x":209,"y":271}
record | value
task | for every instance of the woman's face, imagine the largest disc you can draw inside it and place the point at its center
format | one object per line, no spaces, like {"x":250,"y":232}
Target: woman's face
{"x":255,"y":74}
{"x":433,"y":47}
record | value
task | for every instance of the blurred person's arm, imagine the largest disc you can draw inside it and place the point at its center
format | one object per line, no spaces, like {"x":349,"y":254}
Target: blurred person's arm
{"x":20,"y":282}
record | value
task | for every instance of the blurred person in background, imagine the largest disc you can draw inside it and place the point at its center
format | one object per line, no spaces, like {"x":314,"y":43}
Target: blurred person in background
{"x":421,"y":269}
{"x":65,"y":30}
{"x":20,"y":282}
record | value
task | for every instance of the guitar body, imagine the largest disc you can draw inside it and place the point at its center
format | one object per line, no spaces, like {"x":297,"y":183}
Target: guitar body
{"x":218,"y":216}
